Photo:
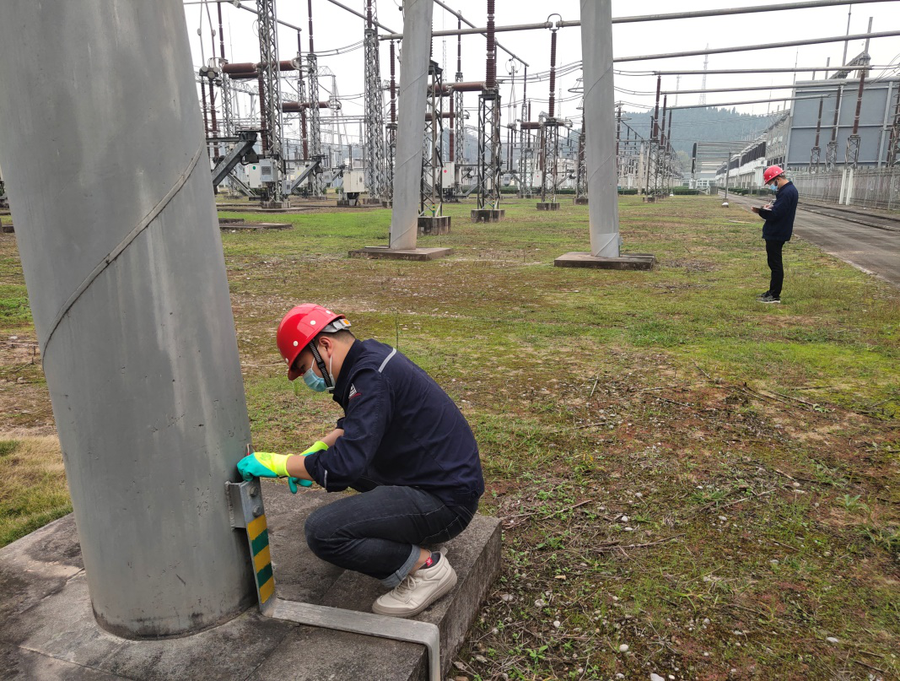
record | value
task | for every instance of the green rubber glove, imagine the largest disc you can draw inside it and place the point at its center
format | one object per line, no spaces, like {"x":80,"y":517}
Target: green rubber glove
{"x":318,"y":446}
{"x":263,"y":465}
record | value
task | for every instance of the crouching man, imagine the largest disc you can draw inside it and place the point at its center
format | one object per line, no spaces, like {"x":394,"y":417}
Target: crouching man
{"x":402,"y":443}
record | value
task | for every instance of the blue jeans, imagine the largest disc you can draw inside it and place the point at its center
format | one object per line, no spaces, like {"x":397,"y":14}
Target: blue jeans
{"x":379,"y":532}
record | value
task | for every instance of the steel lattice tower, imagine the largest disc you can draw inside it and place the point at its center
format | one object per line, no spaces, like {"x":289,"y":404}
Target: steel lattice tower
{"x":489,"y":158}
{"x":315,"y":132}
{"x":270,"y":77}
{"x":431,"y":199}
{"x":374,"y":112}
{"x":894,"y":145}
{"x":581,"y":176}
{"x":391,"y":142}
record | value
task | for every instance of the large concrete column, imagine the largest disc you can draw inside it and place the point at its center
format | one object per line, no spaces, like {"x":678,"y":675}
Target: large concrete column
{"x":600,"y":140}
{"x":414,"y":57}
{"x":104,"y":158}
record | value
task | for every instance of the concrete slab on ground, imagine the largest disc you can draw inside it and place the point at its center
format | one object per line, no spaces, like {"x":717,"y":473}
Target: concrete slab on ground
{"x":626,"y":261}
{"x":48,"y":631}
{"x":386,"y":253}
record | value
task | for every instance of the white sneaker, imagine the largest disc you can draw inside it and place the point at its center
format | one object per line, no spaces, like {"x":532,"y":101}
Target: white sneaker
{"x":419,"y":590}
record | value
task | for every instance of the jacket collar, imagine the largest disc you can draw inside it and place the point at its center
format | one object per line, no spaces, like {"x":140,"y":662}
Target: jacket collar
{"x":342,"y":385}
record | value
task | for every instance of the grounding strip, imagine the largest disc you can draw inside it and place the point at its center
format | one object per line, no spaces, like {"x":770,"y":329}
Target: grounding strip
{"x":117,"y":251}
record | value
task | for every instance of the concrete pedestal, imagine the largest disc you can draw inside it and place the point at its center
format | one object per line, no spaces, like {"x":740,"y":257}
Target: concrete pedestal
{"x":548,"y":205}
{"x":488,"y":215}
{"x":6,"y":227}
{"x":626,"y":261}
{"x":47,"y":628}
{"x":386,"y":253}
{"x":580,"y":201}
{"x":439,"y":224}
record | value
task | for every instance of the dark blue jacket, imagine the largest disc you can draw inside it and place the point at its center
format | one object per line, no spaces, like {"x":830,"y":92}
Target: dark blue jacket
{"x":400,"y":428}
{"x":779,"y":225}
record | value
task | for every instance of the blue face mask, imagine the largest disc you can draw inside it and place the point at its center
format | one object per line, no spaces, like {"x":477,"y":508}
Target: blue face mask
{"x":314,"y":381}
{"x":773,"y":187}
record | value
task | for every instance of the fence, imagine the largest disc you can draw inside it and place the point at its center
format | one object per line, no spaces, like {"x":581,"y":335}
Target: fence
{"x":865,"y":187}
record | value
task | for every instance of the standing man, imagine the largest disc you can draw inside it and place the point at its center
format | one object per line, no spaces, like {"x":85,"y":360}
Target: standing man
{"x":402,"y":442}
{"x":778,"y":228}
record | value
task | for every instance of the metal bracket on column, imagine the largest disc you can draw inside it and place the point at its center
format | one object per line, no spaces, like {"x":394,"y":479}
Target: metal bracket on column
{"x":245,"y":508}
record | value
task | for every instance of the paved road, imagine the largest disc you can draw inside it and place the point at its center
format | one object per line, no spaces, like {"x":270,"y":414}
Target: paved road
{"x":873,"y":250}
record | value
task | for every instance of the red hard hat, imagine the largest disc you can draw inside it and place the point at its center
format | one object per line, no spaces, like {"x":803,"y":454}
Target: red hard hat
{"x":299,"y":326}
{"x":771,"y":173}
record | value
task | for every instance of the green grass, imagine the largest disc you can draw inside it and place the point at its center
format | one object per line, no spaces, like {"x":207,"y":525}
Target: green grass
{"x":669,"y":397}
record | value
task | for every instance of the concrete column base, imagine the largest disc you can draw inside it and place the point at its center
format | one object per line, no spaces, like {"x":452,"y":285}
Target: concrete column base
{"x":548,"y":205}
{"x":488,"y":215}
{"x":626,"y":261}
{"x":6,"y":228}
{"x":438,"y":224}
{"x":385,"y":253}
{"x":47,"y":628}
{"x":372,"y":201}
{"x":581,"y":201}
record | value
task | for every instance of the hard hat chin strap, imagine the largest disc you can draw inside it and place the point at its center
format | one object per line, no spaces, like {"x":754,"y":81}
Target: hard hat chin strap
{"x":326,"y":374}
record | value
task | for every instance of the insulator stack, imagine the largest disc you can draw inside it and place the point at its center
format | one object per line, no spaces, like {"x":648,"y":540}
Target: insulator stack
{"x":491,"y":71}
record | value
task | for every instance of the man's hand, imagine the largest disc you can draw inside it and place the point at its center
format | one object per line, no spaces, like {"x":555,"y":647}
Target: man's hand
{"x":270,"y":465}
{"x":318,"y":446}
{"x":755,"y":209}
{"x":262,"y":465}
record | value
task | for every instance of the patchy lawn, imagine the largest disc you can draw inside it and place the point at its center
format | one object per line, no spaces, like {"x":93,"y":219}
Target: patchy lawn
{"x":690,"y":483}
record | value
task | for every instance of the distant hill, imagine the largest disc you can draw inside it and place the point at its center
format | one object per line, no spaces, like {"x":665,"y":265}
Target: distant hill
{"x":710,"y":124}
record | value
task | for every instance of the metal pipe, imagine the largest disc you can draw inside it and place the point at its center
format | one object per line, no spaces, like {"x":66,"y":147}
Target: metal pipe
{"x":130,"y":304}
{"x":681,"y":107}
{"x":729,"y":89}
{"x":638,"y":19}
{"x":483,"y":30}
{"x":796,"y":69}
{"x":297,"y":107}
{"x":600,"y":127}
{"x":751,"y":48}
{"x":413,"y":90}
{"x":809,"y":4}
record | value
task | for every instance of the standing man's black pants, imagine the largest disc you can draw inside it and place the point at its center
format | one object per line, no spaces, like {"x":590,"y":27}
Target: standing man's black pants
{"x":773,"y":256}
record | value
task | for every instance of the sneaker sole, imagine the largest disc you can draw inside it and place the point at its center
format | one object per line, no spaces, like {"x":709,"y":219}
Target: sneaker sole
{"x":770,"y":302}
{"x":443,"y":591}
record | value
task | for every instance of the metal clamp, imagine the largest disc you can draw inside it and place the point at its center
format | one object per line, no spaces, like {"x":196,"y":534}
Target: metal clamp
{"x":245,"y":509}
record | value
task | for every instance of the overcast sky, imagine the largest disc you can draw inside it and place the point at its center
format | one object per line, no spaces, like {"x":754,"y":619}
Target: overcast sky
{"x":334,"y":28}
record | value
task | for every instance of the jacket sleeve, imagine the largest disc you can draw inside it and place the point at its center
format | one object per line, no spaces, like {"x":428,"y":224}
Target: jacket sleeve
{"x":365,"y":420}
{"x":781,"y":206}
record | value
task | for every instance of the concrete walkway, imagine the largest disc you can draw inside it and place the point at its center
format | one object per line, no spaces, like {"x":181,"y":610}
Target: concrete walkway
{"x":47,"y":629}
{"x":871,"y":246}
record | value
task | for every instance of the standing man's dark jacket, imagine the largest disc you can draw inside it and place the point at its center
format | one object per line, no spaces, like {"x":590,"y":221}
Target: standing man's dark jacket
{"x":779,"y":219}
{"x":400,"y":428}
